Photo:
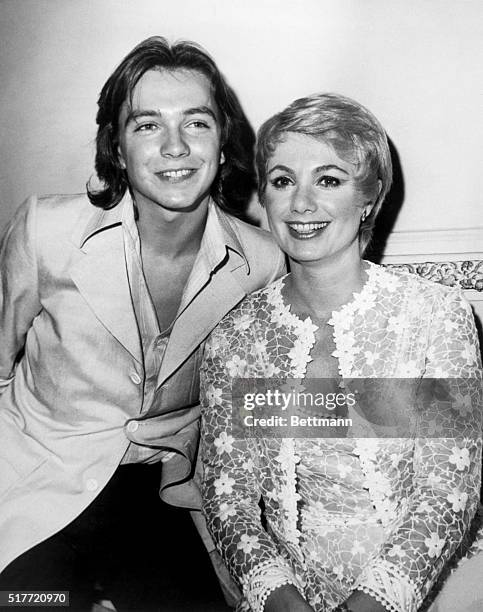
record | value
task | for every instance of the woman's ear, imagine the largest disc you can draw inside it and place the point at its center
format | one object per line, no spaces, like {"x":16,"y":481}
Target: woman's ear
{"x":368,"y":209}
{"x":370,"y":205}
{"x":379,"y":188}
{"x":222,"y":158}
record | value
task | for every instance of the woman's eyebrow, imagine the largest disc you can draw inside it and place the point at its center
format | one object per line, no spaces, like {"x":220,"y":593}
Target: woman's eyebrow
{"x":280,"y":167}
{"x":329,"y":167}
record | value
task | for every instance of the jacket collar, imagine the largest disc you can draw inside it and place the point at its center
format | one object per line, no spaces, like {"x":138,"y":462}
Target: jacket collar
{"x":100,"y":220}
{"x":99,"y":272}
{"x":220,"y":229}
{"x":229,"y":235}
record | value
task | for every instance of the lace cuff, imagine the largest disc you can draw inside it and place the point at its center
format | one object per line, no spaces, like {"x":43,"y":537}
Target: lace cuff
{"x":390,"y":587}
{"x":264,"y":579}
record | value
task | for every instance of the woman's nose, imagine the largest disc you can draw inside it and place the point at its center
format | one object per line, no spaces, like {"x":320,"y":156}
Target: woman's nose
{"x":174,"y":144}
{"x":303,"y":201}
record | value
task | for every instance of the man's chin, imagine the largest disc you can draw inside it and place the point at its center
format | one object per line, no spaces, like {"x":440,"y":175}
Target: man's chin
{"x":183,"y":205}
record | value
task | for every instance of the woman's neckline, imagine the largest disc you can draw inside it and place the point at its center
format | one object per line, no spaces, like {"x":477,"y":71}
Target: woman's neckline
{"x":350,"y":305}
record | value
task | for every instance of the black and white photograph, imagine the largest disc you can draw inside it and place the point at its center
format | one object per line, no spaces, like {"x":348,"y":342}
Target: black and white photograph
{"x":241,"y":305}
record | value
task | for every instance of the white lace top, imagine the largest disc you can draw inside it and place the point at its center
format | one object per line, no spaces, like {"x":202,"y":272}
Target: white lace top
{"x":380,"y":515}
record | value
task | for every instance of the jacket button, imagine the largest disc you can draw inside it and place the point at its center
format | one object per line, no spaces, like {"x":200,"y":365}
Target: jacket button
{"x":132,"y":426}
{"x":134,"y":376}
{"x":91,"y":484}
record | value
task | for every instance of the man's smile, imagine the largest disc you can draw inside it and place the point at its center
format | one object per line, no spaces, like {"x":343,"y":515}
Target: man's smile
{"x":176,"y":176}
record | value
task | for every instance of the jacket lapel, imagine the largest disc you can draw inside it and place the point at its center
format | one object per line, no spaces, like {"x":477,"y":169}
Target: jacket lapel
{"x":99,"y":272}
{"x":227,"y":286}
{"x":195,"y":323}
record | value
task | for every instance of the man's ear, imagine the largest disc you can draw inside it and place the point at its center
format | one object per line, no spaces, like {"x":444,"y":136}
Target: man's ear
{"x":120,"y":157}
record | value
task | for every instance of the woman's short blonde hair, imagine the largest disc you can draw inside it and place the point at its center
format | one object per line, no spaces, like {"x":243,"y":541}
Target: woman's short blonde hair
{"x":354,"y":133}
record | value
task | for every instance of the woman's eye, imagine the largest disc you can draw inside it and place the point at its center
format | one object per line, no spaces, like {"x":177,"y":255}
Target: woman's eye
{"x":329,"y":181}
{"x":281,"y":181}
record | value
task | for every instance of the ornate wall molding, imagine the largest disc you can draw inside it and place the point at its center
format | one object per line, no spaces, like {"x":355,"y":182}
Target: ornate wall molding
{"x":451,"y":257}
{"x":468,"y":274}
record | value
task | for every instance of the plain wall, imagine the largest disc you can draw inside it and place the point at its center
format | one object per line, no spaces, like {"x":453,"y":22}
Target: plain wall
{"x":415,"y":63}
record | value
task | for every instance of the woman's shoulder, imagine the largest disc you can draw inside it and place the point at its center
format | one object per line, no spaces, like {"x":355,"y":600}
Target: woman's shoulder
{"x":255,"y":307}
{"x":406,"y":278}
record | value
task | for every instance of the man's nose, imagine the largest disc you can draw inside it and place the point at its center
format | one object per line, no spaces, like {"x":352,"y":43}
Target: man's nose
{"x":174,"y":144}
{"x":303,"y":200}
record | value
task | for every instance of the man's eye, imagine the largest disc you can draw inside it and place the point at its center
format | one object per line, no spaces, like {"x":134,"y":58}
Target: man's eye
{"x":145,"y":127}
{"x":329,"y":181}
{"x":199,"y":124}
{"x":281,"y":181}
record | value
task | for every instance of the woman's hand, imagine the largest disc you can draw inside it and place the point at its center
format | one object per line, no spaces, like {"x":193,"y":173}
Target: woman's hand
{"x":286,"y":599}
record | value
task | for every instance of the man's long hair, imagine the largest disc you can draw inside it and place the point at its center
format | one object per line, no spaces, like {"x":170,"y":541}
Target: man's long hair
{"x":235,"y":180}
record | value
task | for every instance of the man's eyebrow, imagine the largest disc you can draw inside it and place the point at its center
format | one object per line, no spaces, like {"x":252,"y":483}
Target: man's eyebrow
{"x":136,"y":114}
{"x":201,"y":110}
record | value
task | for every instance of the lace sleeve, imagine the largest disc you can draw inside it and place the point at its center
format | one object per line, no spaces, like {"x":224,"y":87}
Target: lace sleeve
{"x":230,"y":491}
{"x":447,"y":470}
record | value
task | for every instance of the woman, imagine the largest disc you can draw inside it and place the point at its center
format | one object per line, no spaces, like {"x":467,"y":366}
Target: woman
{"x":349,"y":524}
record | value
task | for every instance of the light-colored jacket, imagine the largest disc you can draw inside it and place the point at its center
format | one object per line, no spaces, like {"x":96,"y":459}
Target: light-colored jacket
{"x":71,"y":362}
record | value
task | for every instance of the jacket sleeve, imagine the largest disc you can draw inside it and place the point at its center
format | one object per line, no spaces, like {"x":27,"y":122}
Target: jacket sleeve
{"x":280,"y":267}
{"x":230,"y":488}
{"x":446,"y":463}
{"x":19,"y":297}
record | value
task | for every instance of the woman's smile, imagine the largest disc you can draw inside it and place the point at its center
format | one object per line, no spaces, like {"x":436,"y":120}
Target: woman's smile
{"x":306,"y":231}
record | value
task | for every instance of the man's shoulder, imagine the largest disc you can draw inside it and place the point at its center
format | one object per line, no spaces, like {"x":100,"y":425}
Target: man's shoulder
{"x":63,"y":204}
{"x":51,"y":215}
{"x":58,"y":207}
{"x":249,"y":230}
{"x":60,"y":214}
{"x":264,"y":258}
{"x":252,"y":238}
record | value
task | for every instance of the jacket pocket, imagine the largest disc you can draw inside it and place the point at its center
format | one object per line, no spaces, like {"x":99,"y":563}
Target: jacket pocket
{"x":20,"y":455}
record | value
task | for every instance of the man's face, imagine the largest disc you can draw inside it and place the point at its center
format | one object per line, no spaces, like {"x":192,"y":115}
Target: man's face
{"x":170,"y":140}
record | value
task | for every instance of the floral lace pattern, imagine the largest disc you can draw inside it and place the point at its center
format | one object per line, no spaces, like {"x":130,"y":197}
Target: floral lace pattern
{"x":381,"y":515}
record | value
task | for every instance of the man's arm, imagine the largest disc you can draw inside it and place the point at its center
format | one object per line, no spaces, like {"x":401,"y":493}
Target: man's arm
{"x":19,"y":297}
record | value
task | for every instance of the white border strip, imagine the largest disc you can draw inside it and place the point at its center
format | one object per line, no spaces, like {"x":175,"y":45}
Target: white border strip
{"x":434,"y":245}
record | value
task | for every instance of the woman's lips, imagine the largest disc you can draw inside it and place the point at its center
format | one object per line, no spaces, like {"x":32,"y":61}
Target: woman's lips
{"x":305,"y":231}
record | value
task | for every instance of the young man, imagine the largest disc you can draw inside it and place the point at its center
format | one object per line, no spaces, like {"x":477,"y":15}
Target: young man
{"x":106,"y":301}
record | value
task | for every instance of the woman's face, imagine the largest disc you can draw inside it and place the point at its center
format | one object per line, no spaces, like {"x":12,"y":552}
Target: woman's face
{"x":313,"y":205}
